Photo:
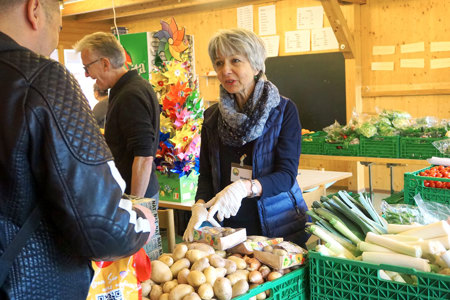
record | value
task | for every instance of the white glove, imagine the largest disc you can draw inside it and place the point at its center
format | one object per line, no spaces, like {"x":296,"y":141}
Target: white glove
{"x":199,"y":215}
{"x":228,"y":201}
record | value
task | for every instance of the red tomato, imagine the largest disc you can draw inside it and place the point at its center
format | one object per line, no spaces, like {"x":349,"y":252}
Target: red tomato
{"x":438,"y":175}
{"x":432,"y":184}
{"x":440,"y":168}
{"x":426,"y":183}
{"x":423,"y":174}
{"x":438,"y":184}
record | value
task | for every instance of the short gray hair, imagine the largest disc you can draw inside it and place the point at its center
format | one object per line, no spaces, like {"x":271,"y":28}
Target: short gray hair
{"x":239,"y":41}
{"x":104,"y":45}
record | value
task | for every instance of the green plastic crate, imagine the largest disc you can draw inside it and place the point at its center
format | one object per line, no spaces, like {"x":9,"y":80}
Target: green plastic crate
{"x":340,"y":149}
{"x":176,"y":189}
{"x":380,"y":146}
{"x":339,"y":278}
{"x":419,"y":148}
{"x":313,"y":143}
{"x":414,"y":184}
{"x":292,"y":286}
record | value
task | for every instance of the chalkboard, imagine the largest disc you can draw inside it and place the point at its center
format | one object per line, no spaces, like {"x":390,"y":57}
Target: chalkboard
{"x":316,"y":84}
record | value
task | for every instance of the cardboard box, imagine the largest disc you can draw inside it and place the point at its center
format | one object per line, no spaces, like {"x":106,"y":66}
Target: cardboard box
{"x":294,"y":257}
{"x":220,"y":242}
{"x":177,"y":189}
{"x":249,"y":246}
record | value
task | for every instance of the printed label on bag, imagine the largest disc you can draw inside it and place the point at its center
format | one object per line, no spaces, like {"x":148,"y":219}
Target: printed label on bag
{"x":240,"y":172}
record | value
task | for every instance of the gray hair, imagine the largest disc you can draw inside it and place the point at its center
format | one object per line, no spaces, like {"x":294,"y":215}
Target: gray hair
{"x":104,"y":45}
{"x":239,"y":41}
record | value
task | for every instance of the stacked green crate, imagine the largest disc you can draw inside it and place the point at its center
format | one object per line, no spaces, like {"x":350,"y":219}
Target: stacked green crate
{"x":313,"y":143}
{"x":419,"y":148}
{"x":380,"y":146}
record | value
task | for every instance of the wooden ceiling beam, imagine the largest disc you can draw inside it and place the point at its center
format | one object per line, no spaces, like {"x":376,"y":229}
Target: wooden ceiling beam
{"x":340,"y":27}
{"x":89,"y":6}
{"x":352,"y":1}
{"x":159,"y":7}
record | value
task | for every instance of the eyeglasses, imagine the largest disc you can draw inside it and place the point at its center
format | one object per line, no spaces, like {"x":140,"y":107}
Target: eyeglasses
{"x":86,"y":67}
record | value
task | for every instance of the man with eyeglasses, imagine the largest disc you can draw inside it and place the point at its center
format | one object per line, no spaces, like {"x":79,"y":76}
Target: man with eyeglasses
{"x":61,"y":200}
{"x":132,"y":119}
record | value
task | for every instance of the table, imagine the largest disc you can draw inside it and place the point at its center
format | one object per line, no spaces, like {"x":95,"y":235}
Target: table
{"x":307,"y":179}
{"x":358,"y":163}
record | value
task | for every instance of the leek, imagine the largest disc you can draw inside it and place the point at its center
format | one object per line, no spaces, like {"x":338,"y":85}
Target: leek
{"x":348,"y":222}
{"x":403,"y":238}
{"x":396,"y":260}
{"x":338,"y":224}
{"x":444,"y":240}
{"x":351,"y":215}
{"x":433,"y":230}
{"x":394,"y":245}
{"x":368,"y":247}
{"x":398,"y":228}
{"x":395,"y":276}
{"x":323,"y":235}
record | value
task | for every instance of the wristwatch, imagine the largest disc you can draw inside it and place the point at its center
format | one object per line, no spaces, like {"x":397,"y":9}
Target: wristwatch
{"x":254,"y":189}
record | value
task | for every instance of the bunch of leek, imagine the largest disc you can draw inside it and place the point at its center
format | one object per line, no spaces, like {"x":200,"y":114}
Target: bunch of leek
{"x":343,"y":221}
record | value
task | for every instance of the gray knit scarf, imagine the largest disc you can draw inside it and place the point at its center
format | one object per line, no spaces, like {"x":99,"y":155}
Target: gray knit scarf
{"x":238,"y":128}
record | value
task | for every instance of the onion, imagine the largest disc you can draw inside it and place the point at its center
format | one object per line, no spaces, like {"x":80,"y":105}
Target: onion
{"x":253,"y":264}
{"x":273,"y":275}
{"x":255,"y":277}
{"x":264,"y":270}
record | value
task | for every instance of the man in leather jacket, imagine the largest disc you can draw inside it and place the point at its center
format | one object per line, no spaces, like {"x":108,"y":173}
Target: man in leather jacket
{"x":53,"y":157}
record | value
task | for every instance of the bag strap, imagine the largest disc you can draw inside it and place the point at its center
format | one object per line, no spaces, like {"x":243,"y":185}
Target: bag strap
{"x":7,"y":258}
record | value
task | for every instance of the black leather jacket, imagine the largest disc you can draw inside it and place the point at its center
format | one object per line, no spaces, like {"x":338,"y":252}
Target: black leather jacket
{"x":52,"y":155}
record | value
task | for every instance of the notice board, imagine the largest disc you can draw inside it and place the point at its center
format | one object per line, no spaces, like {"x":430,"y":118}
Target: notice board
{"x":315,"y":83}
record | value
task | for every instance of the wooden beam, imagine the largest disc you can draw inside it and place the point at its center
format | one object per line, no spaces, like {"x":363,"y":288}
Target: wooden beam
{"x":425,"y":89}
{"x":340,"y":27}
{"x":162,"y":7}
{"x":88,"y":6}
{"x":352,"y":1}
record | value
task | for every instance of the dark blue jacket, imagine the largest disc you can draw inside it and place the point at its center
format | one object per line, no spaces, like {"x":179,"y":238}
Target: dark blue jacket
{"x":282,"y":215}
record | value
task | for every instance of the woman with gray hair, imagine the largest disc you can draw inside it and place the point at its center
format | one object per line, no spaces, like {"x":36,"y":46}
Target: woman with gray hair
{"x":251,"y":144}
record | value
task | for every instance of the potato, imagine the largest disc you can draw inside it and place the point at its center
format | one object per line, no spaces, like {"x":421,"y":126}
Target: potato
{"x":169,"y":285}
{"x":179,"y":252}
{"x":222,"y":288}
{"x":221,"y":253}
{"x":279,"y":252}
{"x":202,"y":247}
{"x":146,"y":288}
{"x":156,"y":292}
{"x":168,"y":260}
{"x":205,"y":291}
{"x":230,"y":266}
{"x":164,"y":296}
{"x":240,"y":263}
{"x":216,"y":261}
{"x":210,"y":275}
{"x":179,"y":265}
{"x":192,"y":296}
{"x":180,"y":291}
{"x":273,"y":275}
{"x":221,"y":272}
{"x":261,"y":296}
{"x":238,"y":275}
{"x":200,"y":264}
{"x":194,"y":254}
{"x":160,"y":272}
{"x":268,"y":249}
{"x":196,"y":278}
{"x":240,"y":288}
{"x":182,"y":276}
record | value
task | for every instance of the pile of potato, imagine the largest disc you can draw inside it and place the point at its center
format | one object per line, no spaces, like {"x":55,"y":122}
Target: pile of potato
{"x":196,"y":271}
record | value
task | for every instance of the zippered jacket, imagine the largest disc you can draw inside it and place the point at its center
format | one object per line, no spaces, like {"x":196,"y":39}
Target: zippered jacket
{"x":52,"y":156}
